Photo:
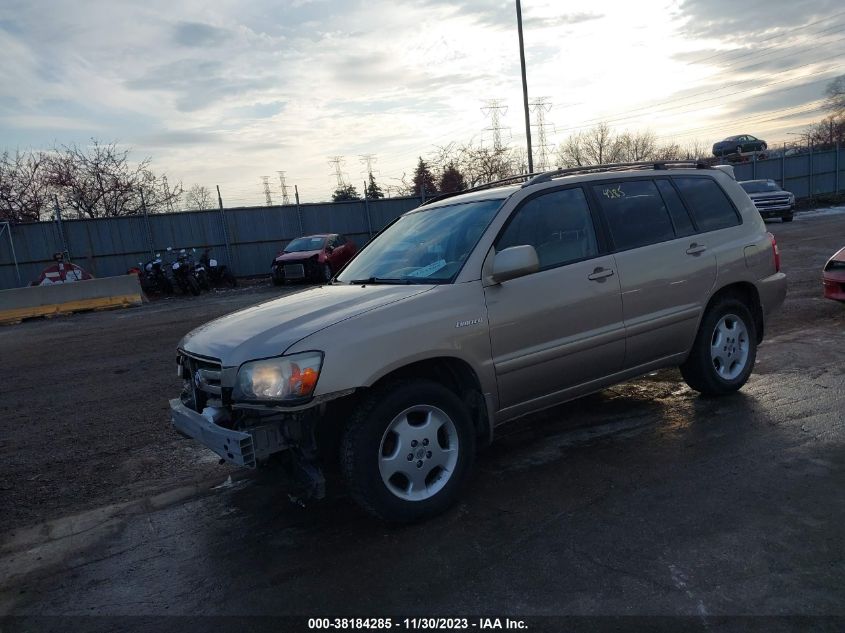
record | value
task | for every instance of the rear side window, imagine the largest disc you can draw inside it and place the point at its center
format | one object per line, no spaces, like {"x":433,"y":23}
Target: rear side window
{"x":709,"y":205}
{"x":635,"y":213}
{"x":680,"y":217}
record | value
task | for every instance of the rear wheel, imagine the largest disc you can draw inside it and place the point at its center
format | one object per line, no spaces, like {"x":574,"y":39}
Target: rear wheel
{"x":327,"y":272}
{"x":407,"y":450}
{"x":193,"y":285}
{"x":724,"y":350}
{"x":229,"y":278}
{"x":739,"y":149}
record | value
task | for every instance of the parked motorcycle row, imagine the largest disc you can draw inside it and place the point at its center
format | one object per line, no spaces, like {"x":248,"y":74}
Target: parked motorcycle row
{"x":180,"y":269}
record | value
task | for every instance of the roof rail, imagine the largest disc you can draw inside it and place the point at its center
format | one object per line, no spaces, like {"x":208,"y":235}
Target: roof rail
{"x":570,"y":171}
{"x":536,"y":178}
{"x":486,"y":185}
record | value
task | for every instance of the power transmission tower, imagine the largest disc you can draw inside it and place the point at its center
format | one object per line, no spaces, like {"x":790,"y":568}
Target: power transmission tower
{"x":337,"y":161}
{"x":539,"y":108}
{"x":167,"y":195}
{"x":368,"y":160}
{"x":266,"y":180}
{"x":284,"y":186}
{"x":495,"y":110}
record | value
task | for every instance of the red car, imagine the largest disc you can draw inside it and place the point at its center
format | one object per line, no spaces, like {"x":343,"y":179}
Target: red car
{"x":833,"y":276}
{"x":313,"y":257}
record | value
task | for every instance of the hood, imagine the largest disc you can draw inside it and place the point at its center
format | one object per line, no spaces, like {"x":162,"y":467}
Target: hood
{"x":297,"y":256}
{"x":268,"y":329}
{"x":768,"y":194}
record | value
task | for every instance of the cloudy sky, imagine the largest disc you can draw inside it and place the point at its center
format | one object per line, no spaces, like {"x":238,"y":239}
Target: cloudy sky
{"x":226,"y":92}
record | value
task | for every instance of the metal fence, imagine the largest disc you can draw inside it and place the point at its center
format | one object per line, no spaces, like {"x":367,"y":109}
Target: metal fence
{"x":808,"y":174}
{"x":246,"y":238}
{"x":249,"y":238}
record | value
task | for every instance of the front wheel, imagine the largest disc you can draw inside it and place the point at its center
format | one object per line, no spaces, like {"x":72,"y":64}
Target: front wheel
{"x":407,"y":450}
{"x":724,"y":350}
{"x":326,"y":272}
{"x":788,"y":217}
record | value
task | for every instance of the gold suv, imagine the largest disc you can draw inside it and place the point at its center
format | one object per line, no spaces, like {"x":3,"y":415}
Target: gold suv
{"x":479,"y":308}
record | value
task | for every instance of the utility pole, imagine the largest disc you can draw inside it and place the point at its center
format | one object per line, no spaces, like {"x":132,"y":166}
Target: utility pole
{"x":524,"y":87}
{"x":494,"y":109}
{"x":540,"y":107}
{"x":284,"y":186}
{"x":267,"y":198}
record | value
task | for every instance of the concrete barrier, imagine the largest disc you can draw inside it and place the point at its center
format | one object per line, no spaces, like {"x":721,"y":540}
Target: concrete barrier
{"x":91,"y":294}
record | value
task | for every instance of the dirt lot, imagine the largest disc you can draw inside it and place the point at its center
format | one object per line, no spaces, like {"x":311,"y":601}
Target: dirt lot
{"x":83,"y":406}
{"x":644,"y":498}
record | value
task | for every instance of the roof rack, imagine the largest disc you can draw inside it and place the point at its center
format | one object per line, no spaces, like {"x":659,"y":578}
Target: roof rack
{"x":486,"y":185}
{"x":546,"y":176}
{"x":570,"y":171}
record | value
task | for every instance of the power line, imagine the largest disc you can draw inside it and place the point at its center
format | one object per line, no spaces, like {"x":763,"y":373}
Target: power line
{"x":651,"y":110}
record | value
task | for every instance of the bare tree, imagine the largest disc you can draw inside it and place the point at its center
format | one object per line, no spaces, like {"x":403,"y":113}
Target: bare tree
{"x":24,"y":194}
{"x":199,"y":198}
{"x":636,"y":147}
{"x":835,"y":96}
{"x":100,"y":181}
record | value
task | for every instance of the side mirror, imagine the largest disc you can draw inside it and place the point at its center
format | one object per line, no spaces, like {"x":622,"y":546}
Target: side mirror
{"x":513,"y":262}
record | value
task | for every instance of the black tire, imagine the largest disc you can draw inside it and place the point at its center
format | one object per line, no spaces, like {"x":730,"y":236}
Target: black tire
{"x":326,"y":272}
{"x":193,"y":285}
{"x":277,"y":281}
{"x":229,"y":278}
{"x":763,"y":147}
{"x":788,"y":218}
{"x":739,"y":149}
{"x":699,"y":370}
{"x":362,"y":442}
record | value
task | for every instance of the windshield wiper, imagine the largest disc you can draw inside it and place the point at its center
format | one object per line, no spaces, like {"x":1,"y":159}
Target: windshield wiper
{"x":379,"y":280}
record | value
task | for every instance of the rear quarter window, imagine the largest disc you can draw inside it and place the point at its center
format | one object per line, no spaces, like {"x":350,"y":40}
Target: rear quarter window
{"x":635,"y":213}
{"x":708,"y":203}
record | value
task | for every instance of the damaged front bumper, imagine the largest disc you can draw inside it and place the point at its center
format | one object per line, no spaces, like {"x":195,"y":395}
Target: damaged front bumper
{"x":234,"y":446}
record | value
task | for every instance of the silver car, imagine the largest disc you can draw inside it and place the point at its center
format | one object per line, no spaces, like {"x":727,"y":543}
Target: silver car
{"x":476,"y":309}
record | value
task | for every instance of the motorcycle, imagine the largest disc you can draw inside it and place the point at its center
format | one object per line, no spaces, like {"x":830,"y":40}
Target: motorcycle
{"x":199,"y":271}
{"x":183,"y":273}
{"x":217,"y":273}
{"x":153,"y":276}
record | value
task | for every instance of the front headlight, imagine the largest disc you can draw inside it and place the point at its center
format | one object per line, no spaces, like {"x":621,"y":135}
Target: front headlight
{"x":283,"y":378}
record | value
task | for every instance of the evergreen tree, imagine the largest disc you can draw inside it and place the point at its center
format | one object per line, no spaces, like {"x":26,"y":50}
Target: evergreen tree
{"x":424,"y":180}
{"x":373,"y":190}
{"x":347,"y":192}
{"x":452,"y":179}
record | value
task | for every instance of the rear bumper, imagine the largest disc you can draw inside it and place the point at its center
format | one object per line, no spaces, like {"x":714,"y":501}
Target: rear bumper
{"x":233,"y":446}
{"x":772,"y":292}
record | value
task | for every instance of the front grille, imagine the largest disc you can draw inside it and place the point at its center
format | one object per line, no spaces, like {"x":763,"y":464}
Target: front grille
{"x":766,"y":203}
{"x":294,"y":271}
{"x":202,"y":379}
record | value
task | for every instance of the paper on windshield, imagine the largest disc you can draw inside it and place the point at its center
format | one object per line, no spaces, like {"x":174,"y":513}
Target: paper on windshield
{"x":432,"y":268}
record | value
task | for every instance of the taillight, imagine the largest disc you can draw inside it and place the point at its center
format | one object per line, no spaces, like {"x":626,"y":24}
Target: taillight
{"x":776,"y":252}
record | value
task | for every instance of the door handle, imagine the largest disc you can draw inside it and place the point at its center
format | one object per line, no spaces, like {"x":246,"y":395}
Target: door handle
{"x":599,"y":274}
{"x":695,"y":249}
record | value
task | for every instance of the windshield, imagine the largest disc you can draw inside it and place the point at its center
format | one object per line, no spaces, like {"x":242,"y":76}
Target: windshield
{"x":759,"y":186}
{"x":302,"y":244}
{"x":425,"y":246}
